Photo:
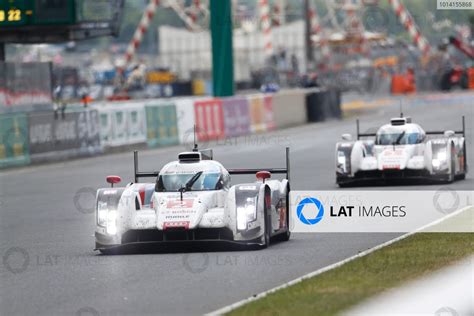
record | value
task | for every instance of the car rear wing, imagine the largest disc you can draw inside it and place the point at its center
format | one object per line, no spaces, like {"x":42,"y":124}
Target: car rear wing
{"x":461,"y":132}
{"x":138,"y":174}
{"x":253,"y":171}
{"x":359,"y":134}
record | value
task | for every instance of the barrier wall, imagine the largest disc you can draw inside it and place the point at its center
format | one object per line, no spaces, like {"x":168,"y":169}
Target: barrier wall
{"x":14,"y":149}
{"x":289,"y":108}
{"x":46,"y":136}
{"x":54,"y":138}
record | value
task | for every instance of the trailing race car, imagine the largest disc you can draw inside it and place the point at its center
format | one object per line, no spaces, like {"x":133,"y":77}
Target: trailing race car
{"x":401,"y":150}
{"x":191,"y":200}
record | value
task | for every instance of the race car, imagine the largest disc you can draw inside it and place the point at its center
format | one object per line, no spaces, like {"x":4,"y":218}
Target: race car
{"x":401,"y":150}
{"x":192,"y":200}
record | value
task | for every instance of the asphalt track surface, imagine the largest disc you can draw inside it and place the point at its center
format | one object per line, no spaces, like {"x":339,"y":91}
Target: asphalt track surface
{"x":46,"y":229}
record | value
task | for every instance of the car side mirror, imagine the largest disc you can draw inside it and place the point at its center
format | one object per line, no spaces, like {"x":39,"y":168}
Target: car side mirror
{"x":263,"y":175}
{"x":347,"y":137}
{"x":449,"y":133}
{"x":113,"y":180}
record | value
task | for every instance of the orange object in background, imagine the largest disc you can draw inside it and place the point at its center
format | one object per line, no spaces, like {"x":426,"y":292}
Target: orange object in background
{"x":404,"y":83}
{"x":470,"y":78}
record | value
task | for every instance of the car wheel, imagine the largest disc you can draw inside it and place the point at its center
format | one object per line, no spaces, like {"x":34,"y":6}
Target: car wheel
{"x":266,"y":227}
{"x":287,"y":235}
{"x":106,"y":252}
{"x":452,"y":174}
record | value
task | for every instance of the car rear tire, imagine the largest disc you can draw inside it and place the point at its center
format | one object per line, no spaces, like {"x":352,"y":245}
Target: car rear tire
{"x":452,"y":174}
{"x":266,"y":227}
{"x":285,"y":236}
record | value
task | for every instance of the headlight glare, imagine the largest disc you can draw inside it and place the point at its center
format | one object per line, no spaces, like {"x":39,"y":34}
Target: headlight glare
{"x":442,"y":156}
{"x":246,"y":213}
{"x":112,"y":222}
{"x":102,"y":211}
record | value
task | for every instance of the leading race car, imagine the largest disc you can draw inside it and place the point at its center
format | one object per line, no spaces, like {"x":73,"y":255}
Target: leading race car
{"x":192,"y":199}
{"x":401,"y":150}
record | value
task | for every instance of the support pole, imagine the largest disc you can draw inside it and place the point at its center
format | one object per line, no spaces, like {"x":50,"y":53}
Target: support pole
{"x":308,"y":43}
{"x":2,"y":52}
{"x":222,"y":48}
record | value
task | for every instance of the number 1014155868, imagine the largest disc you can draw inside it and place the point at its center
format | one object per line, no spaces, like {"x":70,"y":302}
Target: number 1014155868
{"x":455,"y":4}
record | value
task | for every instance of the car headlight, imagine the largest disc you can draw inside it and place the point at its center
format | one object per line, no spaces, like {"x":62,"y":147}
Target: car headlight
{"x":246,"y":213}
{"x":442,"y":156}
{"x":341,"y":158}
{"x":441,"y":160}
{"x":341,"y":161}
{"x":102,"y":211}
{"x":112,"y":222}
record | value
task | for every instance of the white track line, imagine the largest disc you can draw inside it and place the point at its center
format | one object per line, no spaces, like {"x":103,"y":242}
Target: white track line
{"x":255,"y":297}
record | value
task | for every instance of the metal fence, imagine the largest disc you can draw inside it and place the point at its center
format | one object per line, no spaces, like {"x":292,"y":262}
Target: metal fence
{"x":25,"y":87}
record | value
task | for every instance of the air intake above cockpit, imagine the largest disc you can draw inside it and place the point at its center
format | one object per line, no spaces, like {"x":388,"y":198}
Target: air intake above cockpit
{"x":189,"y":157}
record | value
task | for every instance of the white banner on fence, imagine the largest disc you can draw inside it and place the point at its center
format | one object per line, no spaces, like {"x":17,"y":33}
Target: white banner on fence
{"x":380,"y":211}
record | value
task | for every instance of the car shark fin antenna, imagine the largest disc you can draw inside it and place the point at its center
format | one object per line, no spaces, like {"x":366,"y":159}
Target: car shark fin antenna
{"x":401,"y":108}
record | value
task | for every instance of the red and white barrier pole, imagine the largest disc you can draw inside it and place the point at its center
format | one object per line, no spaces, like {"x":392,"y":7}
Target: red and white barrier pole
{"x":264,"y":9}
{"x":139,"y":32}
{"x":409,"y":23}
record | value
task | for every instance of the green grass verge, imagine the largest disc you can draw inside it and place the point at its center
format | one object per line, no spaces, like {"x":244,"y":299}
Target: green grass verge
{"x":343,"y":287}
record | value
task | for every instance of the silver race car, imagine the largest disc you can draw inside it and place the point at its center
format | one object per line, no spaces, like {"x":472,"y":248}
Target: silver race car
{"x":401,"y":150}
{"x":192,"y":200}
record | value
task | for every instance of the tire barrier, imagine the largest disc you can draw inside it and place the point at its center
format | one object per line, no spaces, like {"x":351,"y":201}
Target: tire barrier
{"x":322,"y":104}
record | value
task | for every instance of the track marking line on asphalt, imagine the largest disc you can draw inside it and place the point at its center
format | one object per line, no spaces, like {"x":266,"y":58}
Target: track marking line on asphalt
{"x":229,"y":308}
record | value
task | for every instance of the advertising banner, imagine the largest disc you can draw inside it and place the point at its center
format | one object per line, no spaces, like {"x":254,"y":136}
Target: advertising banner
{"x":186,"y":120}
{"x":209,"y":119}
{"x":236,"y":116}
{"x":14,"y":140}
{"x":122,"y":124}
{"x":261,"y":113}
{"x":161,"y":124}
{"x":52,"y":137}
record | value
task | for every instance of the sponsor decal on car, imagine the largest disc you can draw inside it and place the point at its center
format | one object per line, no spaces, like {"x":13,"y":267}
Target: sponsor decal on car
{"x":178,"y":203}
{"x":180,"y":224}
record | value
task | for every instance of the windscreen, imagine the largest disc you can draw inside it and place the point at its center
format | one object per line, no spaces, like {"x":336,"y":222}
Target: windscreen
{"x":174,"y":182}
{"x":397,"y":138}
